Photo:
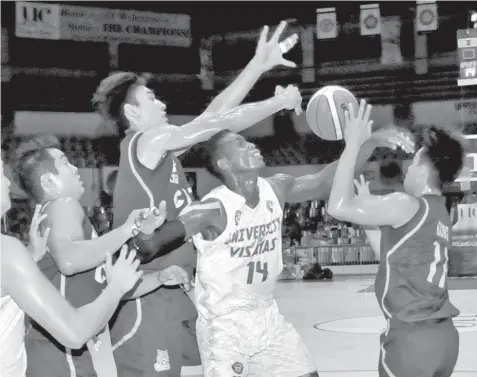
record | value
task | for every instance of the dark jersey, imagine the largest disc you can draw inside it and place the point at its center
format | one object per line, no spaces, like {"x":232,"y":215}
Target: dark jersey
{"x":139,"y":187}
{"x":79,"y":290}
{"x":411,"y":283}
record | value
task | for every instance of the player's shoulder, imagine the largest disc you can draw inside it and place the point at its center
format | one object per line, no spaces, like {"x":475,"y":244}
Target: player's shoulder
{"x":10,"y":243}
{"x":217,"y":192}
{"x":12,"y":250}
{"x":65,"y":206}
{"x":205,"y":205}
{"x":401,"y":198}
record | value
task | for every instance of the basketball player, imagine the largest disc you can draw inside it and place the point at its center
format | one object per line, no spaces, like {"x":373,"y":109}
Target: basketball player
{"x":237,"y":231}
{"x":411,"y":231}
{"x":156,"y":334}
{"x":24,"y":289}
{"x":75,"y":256}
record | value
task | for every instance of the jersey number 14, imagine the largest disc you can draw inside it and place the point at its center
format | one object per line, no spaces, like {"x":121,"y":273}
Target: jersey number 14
{"x":255,"y":268}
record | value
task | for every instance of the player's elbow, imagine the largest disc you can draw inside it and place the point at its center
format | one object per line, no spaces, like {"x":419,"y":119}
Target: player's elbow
{"x":333,"y":210}
{"x":338,"y":213}
{"x":66,"y":267}
{"x":73,"y":337}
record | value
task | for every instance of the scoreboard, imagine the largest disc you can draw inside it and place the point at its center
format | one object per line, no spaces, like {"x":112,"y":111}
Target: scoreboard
{"x":467,"y":55}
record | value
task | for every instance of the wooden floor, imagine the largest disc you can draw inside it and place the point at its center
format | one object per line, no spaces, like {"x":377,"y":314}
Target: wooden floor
{"x":340,"y":322}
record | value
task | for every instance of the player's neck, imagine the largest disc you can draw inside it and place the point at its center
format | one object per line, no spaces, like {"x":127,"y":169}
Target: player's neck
{"x":246,"y":186}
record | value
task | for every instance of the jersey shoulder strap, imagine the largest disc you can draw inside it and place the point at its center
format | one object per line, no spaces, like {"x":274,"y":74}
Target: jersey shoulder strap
{"x":232,"y":204}
{"x":268,"y":193}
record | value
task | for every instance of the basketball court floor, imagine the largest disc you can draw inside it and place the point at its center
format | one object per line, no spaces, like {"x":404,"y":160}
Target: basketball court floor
{"x":340,"y":322}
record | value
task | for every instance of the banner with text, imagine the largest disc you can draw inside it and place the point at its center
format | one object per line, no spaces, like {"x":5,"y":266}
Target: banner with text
{"x":67,"y":22}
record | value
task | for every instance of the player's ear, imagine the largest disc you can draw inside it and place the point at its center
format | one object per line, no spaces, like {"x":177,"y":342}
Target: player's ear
{"x":131,"y":112}
{"x":223,"y":164}
{"x":48,"y":182}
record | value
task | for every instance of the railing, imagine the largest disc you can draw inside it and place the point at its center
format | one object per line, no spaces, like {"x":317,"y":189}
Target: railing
{"x":332,"y":255}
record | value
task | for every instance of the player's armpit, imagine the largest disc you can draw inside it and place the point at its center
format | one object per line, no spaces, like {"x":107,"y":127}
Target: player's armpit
{"x":394,"y":209}
{"x":374,"y":237}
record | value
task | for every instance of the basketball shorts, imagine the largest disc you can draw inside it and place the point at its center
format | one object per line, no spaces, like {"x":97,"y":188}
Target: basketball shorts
{"x":155,"y":335}
{"x":252,"y":343}
{"x":421,"y":349}
{"x":47,"y":358}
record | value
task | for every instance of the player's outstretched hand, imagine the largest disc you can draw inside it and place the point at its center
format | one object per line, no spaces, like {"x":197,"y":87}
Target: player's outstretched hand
{"x":123,"y":274}
{"x":147,"y":220}
{"x":358,"y":126}
{"x":174,"y":275}
{"x":292,"y":97}
{"x":393,"y":138}
{"x":38,"y":241}
{"x":270,"y":53}
{"x":362,"y":186}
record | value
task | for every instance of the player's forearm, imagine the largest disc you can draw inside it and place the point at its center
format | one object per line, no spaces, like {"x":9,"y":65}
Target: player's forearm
{"x":250,"y":114}
{"x":80,"y":256}
{"x":318,"y":186}
{"x":202,"y":129}
{"x":91,"y":318}
{"x":170,"y":236}
{"x":147,"y":284}
{"x":73,"y":327}
{"x":235,"y":93}
{"x":343,"y":190}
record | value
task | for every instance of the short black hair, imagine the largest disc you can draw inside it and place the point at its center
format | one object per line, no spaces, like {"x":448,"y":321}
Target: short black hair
{"x":211,"y":150}
{"x":443,"y":149}
{"x":32,"y":160}
{"x":111,"y":95}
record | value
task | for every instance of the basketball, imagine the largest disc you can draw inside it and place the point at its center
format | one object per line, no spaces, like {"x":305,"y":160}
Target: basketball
{"x":325,"y":111}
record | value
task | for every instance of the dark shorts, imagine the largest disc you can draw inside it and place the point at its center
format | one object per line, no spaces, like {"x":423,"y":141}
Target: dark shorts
{"x":48,"y":359}
{"x":420,"y":349}
{"x":155,"y":335}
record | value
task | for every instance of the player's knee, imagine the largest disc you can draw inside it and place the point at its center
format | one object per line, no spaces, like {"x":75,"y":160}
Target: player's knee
{"x":313,"y":374}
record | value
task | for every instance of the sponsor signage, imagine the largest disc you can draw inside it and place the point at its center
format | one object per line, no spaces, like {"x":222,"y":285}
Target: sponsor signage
{"x":67,"y":22}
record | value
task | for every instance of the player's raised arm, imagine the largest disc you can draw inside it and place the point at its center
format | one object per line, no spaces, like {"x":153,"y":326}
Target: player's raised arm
{"x":317,"y":186}
{"x":67,"y":244}
{"x":155,"y":142}
{"x":205,"y":217}
{"x":268,"y":54}
{"x":38,"y":298}
{"x":371,"y":210}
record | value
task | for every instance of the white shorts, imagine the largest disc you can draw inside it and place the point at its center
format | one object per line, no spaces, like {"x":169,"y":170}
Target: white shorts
{"x":252,"y":343}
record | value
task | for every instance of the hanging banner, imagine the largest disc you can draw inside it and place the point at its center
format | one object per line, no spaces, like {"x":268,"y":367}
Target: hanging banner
{"x":391,"y":40}
{"x":426,"y":15}
{"x":326,"y":26}
{"x":370,"y":19}
{"x":67,"y":22}
{"x":467,"y":55}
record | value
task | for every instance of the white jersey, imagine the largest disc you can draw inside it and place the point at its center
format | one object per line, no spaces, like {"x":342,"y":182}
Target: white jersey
{"x":239,"y":269}
{"x":13,"y":359}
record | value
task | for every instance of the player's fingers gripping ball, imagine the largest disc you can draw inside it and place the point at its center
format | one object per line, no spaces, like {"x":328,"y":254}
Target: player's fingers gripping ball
{"x":325,"y":112}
